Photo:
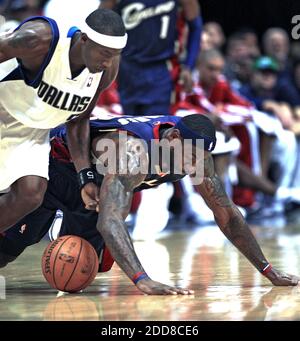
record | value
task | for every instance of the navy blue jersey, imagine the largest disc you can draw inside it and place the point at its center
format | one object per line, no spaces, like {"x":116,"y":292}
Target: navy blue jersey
{"x":145,"y":128}
{"x":151,"y":28}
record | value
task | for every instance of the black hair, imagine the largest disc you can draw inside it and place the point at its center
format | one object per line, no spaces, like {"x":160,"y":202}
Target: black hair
{"x":201,"y":125}
{"x":106,"y":21}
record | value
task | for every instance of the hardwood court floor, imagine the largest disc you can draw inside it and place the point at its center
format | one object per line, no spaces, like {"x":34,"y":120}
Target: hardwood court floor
{"x":226,"y":286}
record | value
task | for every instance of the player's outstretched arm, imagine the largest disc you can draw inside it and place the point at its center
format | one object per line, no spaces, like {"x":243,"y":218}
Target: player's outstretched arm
{"x":30,"y":43}
{"x":78,"y":135}
{"x":235,"y":228}
{"x":115,"y":198}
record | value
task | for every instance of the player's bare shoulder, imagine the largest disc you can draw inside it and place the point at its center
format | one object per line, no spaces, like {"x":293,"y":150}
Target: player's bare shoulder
{"x":31,"y":41}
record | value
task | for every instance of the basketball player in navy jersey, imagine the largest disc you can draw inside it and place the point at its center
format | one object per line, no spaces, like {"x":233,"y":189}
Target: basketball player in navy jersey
{"x":150,"y":69}
{"x":49,"y":76}
{"x":118,"y":186}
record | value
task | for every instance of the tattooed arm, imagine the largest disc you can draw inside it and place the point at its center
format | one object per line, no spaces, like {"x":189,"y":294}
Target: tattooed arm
{"x":233,"y":225}
{"x":30,"y":43}
{"x":115,"y":197}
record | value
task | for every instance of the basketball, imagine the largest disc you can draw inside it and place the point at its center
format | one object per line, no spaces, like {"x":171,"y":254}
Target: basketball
{"x":70,"y":263}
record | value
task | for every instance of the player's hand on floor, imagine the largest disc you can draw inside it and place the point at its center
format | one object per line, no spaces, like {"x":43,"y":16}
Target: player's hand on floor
{"x":279,"y":278}
{"x":150,"y":287}
{"x":90,"y":194}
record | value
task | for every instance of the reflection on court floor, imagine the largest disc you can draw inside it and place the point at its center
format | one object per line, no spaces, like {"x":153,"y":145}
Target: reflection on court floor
{"x":226,"y":286}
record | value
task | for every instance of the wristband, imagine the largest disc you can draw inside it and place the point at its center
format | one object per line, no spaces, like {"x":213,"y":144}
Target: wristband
{"x":139,"y":276}
{"x":85,"y":176}
{"x":266,"y":269}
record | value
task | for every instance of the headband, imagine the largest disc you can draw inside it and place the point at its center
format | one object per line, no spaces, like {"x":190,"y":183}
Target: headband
{"x":187,"y":133}
{"x":114,"y":42}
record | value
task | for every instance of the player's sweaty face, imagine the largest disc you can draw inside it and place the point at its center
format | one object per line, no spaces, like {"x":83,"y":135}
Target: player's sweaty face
{"x":99,"y":58}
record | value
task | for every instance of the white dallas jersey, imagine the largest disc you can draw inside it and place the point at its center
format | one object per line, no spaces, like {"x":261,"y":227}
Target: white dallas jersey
{"x":53,"y":97}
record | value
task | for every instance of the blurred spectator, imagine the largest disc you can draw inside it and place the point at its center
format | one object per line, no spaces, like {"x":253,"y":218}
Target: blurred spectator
{"x":216,"y":34}
{"x":271,"y":94}
{"x":219,"y":93}
{"x":2,"y":5}
{"x":240,"y":52}
{"x":250,"y":39}
{"x":206,"y":41}
{"x":296,"y":74}
{"x":17,"y":10}
{"x":214,"y":95}
{"x":276,"y":44}
{"x":296,"y":82}
{"x":278,"y":97}
{"x":295,"y":51}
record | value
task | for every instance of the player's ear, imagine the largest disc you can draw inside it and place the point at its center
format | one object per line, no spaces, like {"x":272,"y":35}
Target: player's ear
{"x":175,"y":134}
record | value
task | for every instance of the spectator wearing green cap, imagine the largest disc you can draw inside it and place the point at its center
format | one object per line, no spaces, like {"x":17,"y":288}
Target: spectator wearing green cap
{"x":271,"y":93}
{"x":277,"y":96}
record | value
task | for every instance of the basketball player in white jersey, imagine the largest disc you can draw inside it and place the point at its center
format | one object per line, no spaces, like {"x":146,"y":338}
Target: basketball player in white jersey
{"x":49,"y":76}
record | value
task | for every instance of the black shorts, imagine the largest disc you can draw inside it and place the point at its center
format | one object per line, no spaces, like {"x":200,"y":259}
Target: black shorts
{"x":62,"y":194}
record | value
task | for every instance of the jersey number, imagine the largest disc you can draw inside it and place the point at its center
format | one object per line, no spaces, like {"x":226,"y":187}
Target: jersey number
{"x":165,"y":21}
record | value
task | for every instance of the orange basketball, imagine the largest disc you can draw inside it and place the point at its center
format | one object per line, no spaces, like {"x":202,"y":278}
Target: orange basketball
{"x":70,"y":263}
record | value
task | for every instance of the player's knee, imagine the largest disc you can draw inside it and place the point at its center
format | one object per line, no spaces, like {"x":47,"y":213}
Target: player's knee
{"x":5,"y":259}
{"x":35,"y":199}
{"x":32,"y":199}
{"x":32,"y":193}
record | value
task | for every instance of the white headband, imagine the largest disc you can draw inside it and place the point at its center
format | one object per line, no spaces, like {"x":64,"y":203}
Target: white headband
{"x":114,"y":42}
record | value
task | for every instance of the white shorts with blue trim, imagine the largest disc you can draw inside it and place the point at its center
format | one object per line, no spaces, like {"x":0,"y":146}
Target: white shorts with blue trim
{"x":23,"y":151}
